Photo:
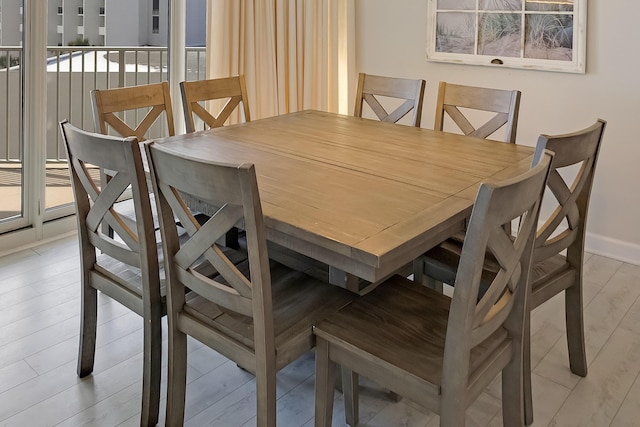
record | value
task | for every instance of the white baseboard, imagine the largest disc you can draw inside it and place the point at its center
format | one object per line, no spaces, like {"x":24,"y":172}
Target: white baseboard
{"x":28,"y":238}
{"x":612,"y":248}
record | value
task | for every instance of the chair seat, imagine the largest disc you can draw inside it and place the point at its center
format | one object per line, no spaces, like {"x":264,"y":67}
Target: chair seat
{"x":442,"y":261}
{"x":127,"y":211}
{"x":410,"y":323}
{"x":549,"y":277}
{"x":543,"y":270}
{"x":299,"y":302}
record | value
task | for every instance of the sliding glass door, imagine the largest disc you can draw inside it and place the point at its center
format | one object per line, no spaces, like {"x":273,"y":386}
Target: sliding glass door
{"x":95,"y":44}
{"x":12,"y":213}
{"x":52,"y":54}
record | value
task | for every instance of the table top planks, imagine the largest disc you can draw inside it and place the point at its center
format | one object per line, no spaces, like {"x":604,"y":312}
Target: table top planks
{"x":363,"y":196}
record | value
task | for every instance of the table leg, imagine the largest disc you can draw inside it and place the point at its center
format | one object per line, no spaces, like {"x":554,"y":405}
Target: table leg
{"x":344,"y":280}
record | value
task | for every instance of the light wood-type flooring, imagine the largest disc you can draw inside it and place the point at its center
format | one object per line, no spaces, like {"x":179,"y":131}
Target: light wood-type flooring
{"x":39,"y":321}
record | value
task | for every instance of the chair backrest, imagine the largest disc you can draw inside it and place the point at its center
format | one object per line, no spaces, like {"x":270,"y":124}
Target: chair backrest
{"x":133,"y":242}
{"x":500,"y":311}
{"x":233,"y":188}
{"x":456,"y":100}
{"x":566,"y":224}
{"x":149,"y":101}
{"x":373,"y":89}
{"x":233,"y":89}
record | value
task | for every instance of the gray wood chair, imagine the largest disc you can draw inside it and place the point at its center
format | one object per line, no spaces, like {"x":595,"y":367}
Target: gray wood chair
{"x":195,"y":93}
{"x":126,"y":268}
{"x":120,"y":109}
{"x":458,"y":102}
{"x":372,"y":91}
{"x":553,"y":271}
{"x":133,"y":111}
{"x":442,"y":352}
{"x":259,"y":313}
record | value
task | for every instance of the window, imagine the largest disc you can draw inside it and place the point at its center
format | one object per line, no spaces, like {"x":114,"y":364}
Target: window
{"x":81,"y":10}
{"x":156,"y":7}
{"x":101,"y":11}
{"x":155,"y":24}
{"x":533,"y":34}
{"x":59,"y":10}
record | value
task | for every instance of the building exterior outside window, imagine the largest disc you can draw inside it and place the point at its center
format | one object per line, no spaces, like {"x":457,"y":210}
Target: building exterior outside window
{"x":125,"y":23}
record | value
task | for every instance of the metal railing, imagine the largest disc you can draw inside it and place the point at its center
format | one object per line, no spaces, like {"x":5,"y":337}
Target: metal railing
{"x":10,"y":104}
{"x":72,"y":72}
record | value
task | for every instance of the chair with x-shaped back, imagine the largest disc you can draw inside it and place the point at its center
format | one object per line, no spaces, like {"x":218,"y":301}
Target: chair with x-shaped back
{"x":553,"y":270}
{"x":195,"y":93}
{"x":457,"y":102}
{"x":258,"y":313}
{"x":120,"y":108}
{"x":437,"y":351}
{"x":127,"y":267}
{"x":377,"y":90}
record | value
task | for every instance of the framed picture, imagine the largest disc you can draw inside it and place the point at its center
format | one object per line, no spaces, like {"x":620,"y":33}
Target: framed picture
{"x":533,"y":34}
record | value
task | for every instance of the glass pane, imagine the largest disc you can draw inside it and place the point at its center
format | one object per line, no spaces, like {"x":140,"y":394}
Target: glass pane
{"x":11,"y":140}
{"x":456,"y":32}
{"x":549,"y":5}
{"x":549,"y":37}
{"x":500,"y":5}
{"x":100,"y":47}
{"x":499,"y":34}
{"x":457,"y":4}
{"x":195,"y":41}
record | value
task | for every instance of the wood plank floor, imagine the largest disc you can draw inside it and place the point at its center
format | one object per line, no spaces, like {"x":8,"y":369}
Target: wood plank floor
{"x":39,"y":320}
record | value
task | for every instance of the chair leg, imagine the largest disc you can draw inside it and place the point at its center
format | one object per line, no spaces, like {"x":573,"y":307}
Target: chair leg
{"x":324,"y":385}
{"x":418,"y":270}
{"x":176,"y":377}
{"x":152,"y":365}
{"x":88,"y":324}
{"x":454,"y":414}
{"x":512,"y":391}
{"x":351,"y":396}
{"x":266,"y":393}
{"x":526,"y":371}
{"x":575,"y":329}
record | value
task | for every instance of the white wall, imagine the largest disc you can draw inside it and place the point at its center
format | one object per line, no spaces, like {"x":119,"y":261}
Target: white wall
{"x":391,"y":40}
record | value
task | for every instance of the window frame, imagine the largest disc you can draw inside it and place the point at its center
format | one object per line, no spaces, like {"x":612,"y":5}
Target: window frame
{"x":576,"y":65}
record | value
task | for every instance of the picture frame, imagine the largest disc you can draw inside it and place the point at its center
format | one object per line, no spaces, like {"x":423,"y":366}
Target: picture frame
{"x":545,"y":35}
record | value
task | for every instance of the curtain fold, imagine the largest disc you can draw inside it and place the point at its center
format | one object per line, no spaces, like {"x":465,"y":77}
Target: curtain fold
{"x":294,"y":54}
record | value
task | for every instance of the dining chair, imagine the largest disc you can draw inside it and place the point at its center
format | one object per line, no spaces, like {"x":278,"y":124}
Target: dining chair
{"x":437,"y":351}
{"x":554,"y":270}
{"x":120,"y":108}
{"x":259,"y":313}
{"x":194,"y":93}
{"x":458,"y":102}
{"x":378,"y":90}
{"x":126,"y":268}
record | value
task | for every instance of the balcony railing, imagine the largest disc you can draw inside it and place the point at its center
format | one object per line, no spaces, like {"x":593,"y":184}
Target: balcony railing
{"x":11,"y":93}
{"x":72,"y":72}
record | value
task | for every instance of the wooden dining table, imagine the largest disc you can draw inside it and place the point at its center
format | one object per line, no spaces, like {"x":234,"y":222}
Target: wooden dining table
{"x":361,"y":196}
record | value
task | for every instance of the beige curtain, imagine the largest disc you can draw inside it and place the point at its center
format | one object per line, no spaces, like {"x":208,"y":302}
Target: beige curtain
{"x":295,"y":54}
